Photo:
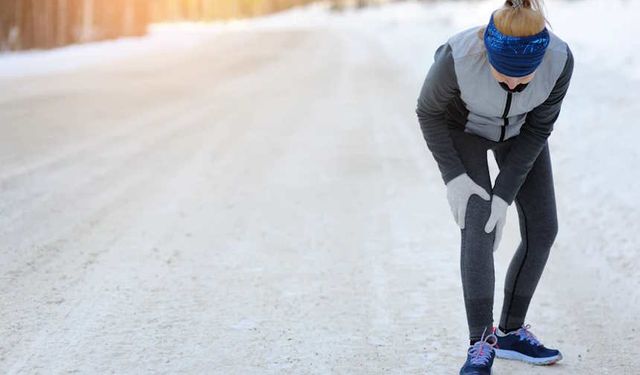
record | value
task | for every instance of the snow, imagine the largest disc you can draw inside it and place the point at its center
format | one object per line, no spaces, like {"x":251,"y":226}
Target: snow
{"x":254,"y":196}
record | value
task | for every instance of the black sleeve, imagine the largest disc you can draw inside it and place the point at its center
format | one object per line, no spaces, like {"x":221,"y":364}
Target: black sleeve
{"x":439,"y":87}
{"x":532,"y":138}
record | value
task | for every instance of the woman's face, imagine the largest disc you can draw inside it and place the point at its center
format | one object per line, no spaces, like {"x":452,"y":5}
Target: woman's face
{"x":511,"y":82}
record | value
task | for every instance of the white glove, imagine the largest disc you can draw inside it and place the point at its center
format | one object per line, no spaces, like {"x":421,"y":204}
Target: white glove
{"x":459,"y":190}
{"x":497,"y":219}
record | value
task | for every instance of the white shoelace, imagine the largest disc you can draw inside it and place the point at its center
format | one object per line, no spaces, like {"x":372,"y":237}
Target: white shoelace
{"x":481,"y":350}
{"x":525,"y":334}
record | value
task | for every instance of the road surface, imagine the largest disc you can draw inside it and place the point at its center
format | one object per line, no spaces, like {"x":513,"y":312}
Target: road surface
{"x":263,"y":202}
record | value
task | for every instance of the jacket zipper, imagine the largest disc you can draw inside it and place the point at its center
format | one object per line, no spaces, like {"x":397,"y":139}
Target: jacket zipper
{"x":504,"y":116}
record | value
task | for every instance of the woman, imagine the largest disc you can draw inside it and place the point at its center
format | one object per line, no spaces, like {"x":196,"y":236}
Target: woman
{"x":498,"y":88}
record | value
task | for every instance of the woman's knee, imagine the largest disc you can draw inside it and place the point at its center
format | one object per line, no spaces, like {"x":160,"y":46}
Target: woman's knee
{"x":477,"y":214}
{"x":536,"y":203}
{"x":547,"y":228}
{"x":540,"y":230}
{"x":551,"y":230}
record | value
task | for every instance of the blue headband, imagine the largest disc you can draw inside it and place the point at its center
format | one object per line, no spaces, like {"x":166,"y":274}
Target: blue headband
{"x":514,"y":56}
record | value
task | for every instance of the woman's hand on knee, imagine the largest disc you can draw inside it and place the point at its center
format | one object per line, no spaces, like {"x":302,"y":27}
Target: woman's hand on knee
{"x":459,"y":189}
{"x":497,"y":219}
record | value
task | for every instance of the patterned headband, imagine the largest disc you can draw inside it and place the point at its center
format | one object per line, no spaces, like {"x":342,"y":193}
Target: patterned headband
{"x":514,"y":56}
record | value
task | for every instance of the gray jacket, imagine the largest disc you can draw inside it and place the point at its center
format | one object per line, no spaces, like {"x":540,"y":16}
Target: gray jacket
{"x":460,"y":91}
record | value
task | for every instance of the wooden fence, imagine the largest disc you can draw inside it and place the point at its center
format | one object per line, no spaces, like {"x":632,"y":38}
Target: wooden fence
{"x":26,"y":24}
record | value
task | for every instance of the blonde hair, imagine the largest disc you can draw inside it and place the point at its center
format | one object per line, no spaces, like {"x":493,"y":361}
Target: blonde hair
{"x":520,"y":21}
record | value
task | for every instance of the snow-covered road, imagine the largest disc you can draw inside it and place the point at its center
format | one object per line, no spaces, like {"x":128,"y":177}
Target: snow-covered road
{"x":259,"y":199}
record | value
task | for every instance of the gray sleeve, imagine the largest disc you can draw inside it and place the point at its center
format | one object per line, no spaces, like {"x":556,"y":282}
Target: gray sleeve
{"x":439,"y":87}
{"x":533,"y":135}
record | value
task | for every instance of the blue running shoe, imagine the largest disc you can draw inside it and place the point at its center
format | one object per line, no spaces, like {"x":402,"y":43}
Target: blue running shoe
{"x":522,"y":345}
{"x":480,"y":356}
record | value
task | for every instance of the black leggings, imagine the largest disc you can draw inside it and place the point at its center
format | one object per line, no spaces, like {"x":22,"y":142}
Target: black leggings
{"x":536,"y":207}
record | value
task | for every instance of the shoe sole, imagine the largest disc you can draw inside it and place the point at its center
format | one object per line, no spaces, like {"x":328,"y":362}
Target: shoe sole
{"x":490,"y":372}
{"x":510,"y":354}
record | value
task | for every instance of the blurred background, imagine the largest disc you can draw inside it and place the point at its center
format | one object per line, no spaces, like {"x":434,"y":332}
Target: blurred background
{"x":52,"y":23}
{"x":239,"y":187}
